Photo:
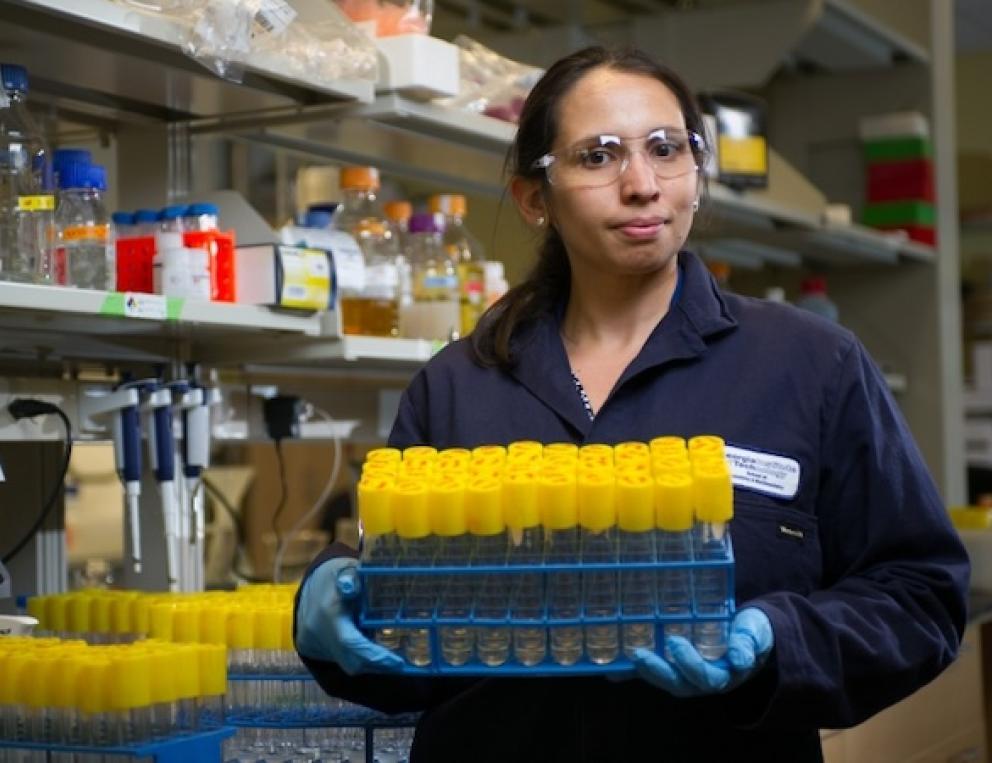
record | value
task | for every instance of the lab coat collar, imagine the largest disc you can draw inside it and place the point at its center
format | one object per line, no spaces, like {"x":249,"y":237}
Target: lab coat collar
{"x":700,"y":315}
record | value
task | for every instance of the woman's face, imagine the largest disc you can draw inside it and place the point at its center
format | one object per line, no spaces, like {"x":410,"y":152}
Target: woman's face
{"x":636,"y":224}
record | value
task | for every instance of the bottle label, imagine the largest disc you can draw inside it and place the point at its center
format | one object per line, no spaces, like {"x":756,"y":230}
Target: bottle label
{"x":98,"y":233}
{"x":39,"y":203}
{"x":306,"y":278}
{"x":273,"y":16}
{"x":440,"y":282}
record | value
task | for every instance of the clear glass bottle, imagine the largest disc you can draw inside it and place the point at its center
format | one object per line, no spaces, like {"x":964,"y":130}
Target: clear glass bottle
{"x":597,"y":517}
{"x":84,"y":257}
{"x":636,"y":521}
{"x":526,"y":547}
{"x":561,"y":537}
{"x":434,"y":313}
{"x":484,"y":504}
{"x":372,"y":310}
{"x":466,"y":252}
{"x":27,"y":203}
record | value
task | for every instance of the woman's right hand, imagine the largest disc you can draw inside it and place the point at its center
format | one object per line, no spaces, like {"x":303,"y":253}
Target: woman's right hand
{"x":325,"y":622}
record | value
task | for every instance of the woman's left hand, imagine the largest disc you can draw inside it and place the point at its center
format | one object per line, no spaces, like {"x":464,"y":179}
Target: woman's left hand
{"x":687,"y":674}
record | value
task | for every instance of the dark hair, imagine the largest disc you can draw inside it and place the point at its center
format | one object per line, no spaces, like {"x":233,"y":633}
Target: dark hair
{"x":548,"y":281}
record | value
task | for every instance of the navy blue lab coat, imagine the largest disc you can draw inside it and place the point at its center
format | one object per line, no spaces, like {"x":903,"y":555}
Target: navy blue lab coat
{"x":861,"y":574}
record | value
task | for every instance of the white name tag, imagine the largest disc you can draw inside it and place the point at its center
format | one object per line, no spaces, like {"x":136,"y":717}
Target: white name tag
{"x":763,"y":472}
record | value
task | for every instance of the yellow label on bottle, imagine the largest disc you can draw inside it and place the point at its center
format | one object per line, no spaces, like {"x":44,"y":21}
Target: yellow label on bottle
{"x":743,"y":155}
{"x":40,"y":203}
{"x":86,"y":233}
{"x":306,"y":278}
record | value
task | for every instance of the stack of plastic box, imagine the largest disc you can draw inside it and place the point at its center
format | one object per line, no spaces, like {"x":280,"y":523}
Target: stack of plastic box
{"x":900,"y":181}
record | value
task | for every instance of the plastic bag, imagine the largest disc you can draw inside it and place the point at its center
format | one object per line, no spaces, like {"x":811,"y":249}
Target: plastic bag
{"x":491,"y":84}
{"x":389,"y":17}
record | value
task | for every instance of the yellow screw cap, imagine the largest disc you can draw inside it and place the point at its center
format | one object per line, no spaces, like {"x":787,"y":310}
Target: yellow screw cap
{"x":55,"y":613}
{"x":561,"y":448}
{"x":133,"y":679}
{"x":674,"y":464}
{"x":93,"y":687}
{"x":520,"y":503}
{"x":410,"y":511}
{"x":705,"y":443}
{"x":667,"y":444}
{"x":267,"y":629}
{"x":100,"y":613}
{"x":213,"y":670}
{"x":420,"y":453}
{"x":162,"y":618}
{"x":713,"y":493}
{"x":213,"y":624}
{"x":164,"y":682}
{"x":484,"y":506}
{"x":38,"y":609}
{"x":525,"y":448}
{"x":120,"y":613}
{"x":187,"y":661}
{"x":446,"y":502}
{"x":386,"y":455}
{"x":557,"y":495}
{"x":240,"y":627}
{"x":631,"y":449}
{"x":78,"y":613}
{"x":635,"y":502}
{"x":673,"y":502}
{"x":375,"y":504}
{"x":597,"y":500}
{"x":186,"y":623}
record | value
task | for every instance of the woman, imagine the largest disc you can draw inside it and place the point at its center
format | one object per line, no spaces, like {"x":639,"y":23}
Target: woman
{"x":850,"y":581}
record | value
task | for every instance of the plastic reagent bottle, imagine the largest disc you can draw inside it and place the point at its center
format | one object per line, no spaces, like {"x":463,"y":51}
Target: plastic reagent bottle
{"x":27,"y":205}
{"x":635,"y":496}
{"x":557,"y":492}
{"x":523,"y":520}
{"x":674,"y":522}
{"x":465,"y":252}
{"x":454,"y":549}
{"x":434,"y":313}
{"x":484,"y":504}
{"x":597,"y":517}
{"x":380,"y":548}
{"x":84,"y":253}
{"x":417,"y":549}
{"x":713,"y":504}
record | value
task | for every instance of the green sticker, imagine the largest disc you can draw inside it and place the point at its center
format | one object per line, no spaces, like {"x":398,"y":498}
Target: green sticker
{"x":174,"y":308}
{"x":113,"y":304}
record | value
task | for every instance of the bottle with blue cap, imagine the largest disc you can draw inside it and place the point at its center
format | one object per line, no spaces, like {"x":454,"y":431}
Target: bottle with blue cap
{"x":201,"y":217}
{"x":27,"y":203}
{"x":84,"y":257}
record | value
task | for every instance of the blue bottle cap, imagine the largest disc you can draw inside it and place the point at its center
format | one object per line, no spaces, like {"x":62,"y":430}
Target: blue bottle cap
{"x":63,"y":156}
{"x":195,"y":210}
{"x":15,"y":78}
{"x":122,"y":218}
{"x":98,"y":177}
{"x":145,"y":216}
{"x":74,"y":175}
{"x":317,"y":218}
{"x":324,"y":206}
{"x":172,"y":213}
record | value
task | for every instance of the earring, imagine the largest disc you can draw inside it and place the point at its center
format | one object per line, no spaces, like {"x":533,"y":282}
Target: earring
{"x":539,"y":222}
{"x":695,"y":205}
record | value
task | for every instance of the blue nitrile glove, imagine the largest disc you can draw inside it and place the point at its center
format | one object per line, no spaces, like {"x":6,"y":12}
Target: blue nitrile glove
{"x":325,"y":622}
{"x":749,"y":643}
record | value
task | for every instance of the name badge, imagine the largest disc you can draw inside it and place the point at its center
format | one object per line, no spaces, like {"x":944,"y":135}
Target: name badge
{"x":763,"y":472}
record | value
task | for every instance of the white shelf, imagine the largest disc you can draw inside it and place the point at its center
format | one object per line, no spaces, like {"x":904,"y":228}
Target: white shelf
{"x":125,"y":60}
{"x":364,"y":348}
{"x":457,"y":125}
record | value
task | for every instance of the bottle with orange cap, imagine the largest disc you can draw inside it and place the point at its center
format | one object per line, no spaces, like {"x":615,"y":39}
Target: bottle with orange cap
{"x":466,"y":252}
{"x":372,"y":310}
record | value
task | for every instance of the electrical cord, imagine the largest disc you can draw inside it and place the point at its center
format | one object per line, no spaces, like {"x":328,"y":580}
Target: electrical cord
{"x":26,"y":408}
{"x":317,"y":506}
{"x":284,"y":488}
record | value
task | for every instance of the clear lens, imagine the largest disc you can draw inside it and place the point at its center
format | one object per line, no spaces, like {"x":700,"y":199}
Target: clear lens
{"x":602,"y":159}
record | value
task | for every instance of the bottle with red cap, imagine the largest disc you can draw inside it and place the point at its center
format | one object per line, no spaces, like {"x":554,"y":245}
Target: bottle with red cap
{"x":814,"y":298}
{"x":371,"y":309}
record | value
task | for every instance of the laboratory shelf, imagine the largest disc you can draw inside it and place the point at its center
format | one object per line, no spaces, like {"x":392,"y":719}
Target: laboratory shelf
{"x":131,"y":62}
{"x":182,"y":748}
{"x":456,"y":125}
